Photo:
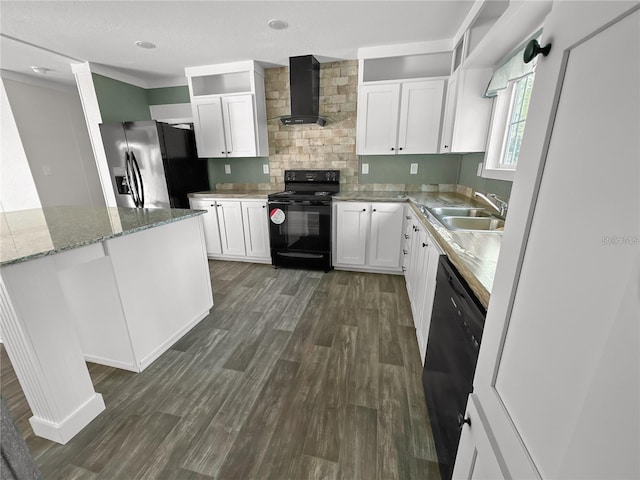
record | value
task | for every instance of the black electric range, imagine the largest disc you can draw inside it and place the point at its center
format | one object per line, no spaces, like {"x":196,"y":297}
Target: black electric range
{"x":300,"y":219}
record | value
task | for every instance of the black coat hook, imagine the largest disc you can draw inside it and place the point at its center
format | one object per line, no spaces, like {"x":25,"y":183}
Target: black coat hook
{"x":533,"y":48}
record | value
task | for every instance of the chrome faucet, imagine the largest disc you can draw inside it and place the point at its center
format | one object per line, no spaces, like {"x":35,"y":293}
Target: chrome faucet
{"x":500,"y":205}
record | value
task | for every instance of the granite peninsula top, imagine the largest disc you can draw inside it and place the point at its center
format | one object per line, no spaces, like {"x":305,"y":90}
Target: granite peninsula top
{"x":29,"y":234}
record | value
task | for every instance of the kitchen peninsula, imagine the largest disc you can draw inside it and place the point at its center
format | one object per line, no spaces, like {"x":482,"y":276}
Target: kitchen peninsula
{"x":115,"y":286}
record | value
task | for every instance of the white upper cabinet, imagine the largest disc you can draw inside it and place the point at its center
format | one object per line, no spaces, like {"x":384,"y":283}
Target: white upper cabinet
{"x":209,"y":128}
{"x":399,"y":118}
{"x":420,"y":116}
{"x":400,"y":99}
{"x":467,"y":112}
{"x":229,"y":110}
{"x":378,"y":110}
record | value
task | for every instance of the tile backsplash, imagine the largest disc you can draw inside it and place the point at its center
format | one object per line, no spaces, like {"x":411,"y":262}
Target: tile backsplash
{"x":312,"y":146}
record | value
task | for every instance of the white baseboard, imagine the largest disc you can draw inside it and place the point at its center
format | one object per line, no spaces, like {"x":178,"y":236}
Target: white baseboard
{"x":164,"y":346}
{"x":64,"y":431}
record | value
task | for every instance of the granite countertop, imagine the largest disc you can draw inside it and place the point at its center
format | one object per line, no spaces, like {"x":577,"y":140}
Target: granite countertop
{"x":30,"y":234}
{"x":474,"y":253}
{"x":259,"y":194}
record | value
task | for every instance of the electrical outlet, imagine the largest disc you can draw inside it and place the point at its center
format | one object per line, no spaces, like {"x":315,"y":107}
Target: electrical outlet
{"x":479,"y":172}
{"x":413,"y":170}
{"x":365,"y":169}
{"x":227,"y":169}
{"x":265,"y":169}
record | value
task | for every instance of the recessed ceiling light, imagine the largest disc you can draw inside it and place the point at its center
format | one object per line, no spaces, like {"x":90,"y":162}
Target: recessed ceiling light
{"x":278,"y":24}
{"x":41,"y":70}
{"x":144,"y":44}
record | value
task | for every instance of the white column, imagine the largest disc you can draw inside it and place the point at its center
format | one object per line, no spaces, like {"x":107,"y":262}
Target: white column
{"x":45,"y":351}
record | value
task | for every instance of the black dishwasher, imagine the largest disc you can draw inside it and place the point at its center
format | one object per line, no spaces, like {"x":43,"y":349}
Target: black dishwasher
{"x":456,"y":327}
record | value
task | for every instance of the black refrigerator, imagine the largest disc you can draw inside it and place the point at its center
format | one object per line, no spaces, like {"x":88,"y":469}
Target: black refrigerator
{"x":153,"y":164}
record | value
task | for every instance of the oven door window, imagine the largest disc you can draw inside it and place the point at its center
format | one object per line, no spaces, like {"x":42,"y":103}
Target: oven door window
{"x":305,"y":228}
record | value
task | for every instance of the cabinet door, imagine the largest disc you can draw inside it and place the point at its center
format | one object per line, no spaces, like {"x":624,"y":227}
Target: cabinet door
{"x":420,"y":278}
{"x":209,"y":129}
{"x":240,"y":132}
{"x":256,"y":229}
{"x":432,"y":258}
{"x":210,"y":223}
{"x":472,"y":111}
{"x":231,"y":228}
{"x":449,"y":114}
{"x":378,"y":107}
{"x":406,"y":245}
{"x":420,"y":117}
{"x":352,"y":228}
{"x":386,"y":234}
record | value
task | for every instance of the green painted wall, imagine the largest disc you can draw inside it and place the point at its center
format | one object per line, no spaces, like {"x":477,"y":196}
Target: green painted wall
{"x":168,"y":95}
{"x":243,"y":170}
{"x":120,"y":101}
{"x":395,"y":169}
{"x":468,"y":177}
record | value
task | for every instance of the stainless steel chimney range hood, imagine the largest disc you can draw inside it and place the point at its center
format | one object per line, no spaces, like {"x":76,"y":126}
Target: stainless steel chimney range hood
{"x":304,"y":81}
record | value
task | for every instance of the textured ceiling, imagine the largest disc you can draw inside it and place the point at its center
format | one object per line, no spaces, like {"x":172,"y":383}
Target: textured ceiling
{"x":189,"y":33}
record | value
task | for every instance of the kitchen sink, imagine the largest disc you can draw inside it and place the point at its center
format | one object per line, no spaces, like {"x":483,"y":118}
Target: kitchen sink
{"x":472,"y":223}
{"x":459,"y":212}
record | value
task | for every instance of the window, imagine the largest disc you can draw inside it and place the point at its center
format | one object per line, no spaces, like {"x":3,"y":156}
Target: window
{"x":507,"y":128}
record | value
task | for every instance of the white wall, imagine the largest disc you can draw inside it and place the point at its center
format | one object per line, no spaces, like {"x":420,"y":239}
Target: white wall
{"x":54,"y":135}
{"x":17,"y":188}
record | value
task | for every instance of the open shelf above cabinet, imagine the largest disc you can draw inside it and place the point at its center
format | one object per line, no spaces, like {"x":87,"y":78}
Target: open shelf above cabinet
{"x":406,"y":67}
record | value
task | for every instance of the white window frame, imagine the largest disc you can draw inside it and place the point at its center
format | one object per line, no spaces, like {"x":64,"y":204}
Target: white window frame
{"x":502,"y":108}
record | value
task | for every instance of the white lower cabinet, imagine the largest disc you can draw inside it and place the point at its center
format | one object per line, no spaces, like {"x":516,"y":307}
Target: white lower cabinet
{"x":368,"y":236}
{"x":235,"y":230}
{"x":420,"y":269}
{"x":231,"y":229}
{"x":256,"y":229}
{"x":210,"y":223}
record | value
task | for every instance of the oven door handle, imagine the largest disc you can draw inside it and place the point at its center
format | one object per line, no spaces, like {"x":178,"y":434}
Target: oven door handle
{"x":307,"y":203}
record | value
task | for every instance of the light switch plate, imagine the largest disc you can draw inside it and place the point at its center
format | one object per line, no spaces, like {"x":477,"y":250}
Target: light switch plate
{"x":265,"y":168}
{"x":227,"y":169}
{"x":365,"y":169}
{"x":414,"y":169}
{"x":479,"y":172}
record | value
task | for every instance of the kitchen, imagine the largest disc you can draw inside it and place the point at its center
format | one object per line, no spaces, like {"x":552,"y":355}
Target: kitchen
{"x":501,"y":402}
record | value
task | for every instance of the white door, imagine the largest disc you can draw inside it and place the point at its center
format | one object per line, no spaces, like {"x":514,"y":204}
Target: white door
{"x":385,"y":247}
{"x":377,"y":130}
{"x":256,"y":229}
{"x":240,"y":132}
{"x":209,"y":129}
{"x":231,"y":228}
{"x":210,"y":223}
{"x":420,"y":117}
{"x":558,"y":375}
{"x":352,"y":229}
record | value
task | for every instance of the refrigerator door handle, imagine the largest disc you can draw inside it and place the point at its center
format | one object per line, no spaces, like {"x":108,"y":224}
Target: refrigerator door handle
{"x":139,"y":180}
{"x":131,"y":180}
{"x":127,"y":172}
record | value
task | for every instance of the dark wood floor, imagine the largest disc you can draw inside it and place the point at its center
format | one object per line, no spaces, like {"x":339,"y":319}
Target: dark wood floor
{"x":293,"y":375}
